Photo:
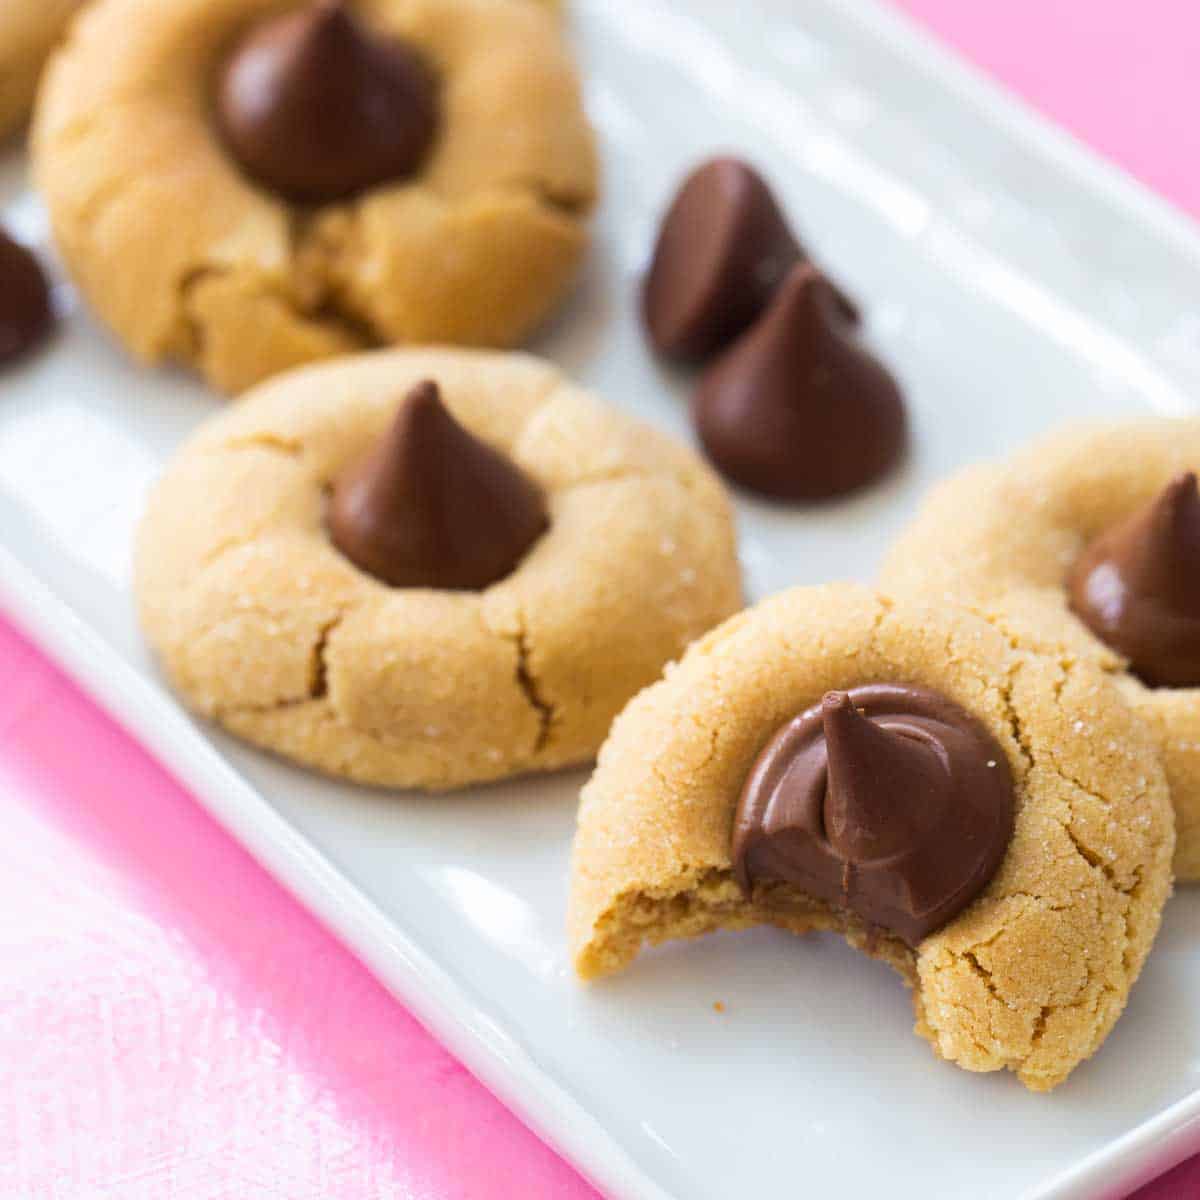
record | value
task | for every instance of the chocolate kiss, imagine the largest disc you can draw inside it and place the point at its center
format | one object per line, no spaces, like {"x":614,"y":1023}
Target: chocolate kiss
{"x":890,"y":802}
{"x":316,"y":107}
{"x":797,"y":408}
{"x":723,"y":248}
{"x":25,"y":312}
{"x":1137,"y":587}
{"x":432,"y":506}
{"x":868,"y":767}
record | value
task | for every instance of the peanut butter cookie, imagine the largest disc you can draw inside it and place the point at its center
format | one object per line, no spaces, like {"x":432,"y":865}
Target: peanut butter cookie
{"x":28,"y":31}
{"x":429,"y":568}
{"x":243,"y":185}
{"x":1086,"y":543}
{"x":992,"y":822}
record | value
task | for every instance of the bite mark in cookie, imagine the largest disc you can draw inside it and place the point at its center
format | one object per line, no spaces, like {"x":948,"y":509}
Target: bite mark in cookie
{"x":1033,"y":973}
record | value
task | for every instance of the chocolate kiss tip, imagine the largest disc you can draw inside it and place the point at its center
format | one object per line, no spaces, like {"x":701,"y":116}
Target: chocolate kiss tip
{"x":332,"y":22}
{"x":1182,"y":489}
{"x":870,"y":768}
{"x":425,"y":397}
{"x":432,"y":506}
{"x":839,"y":720}
{"x":1180,"y":505}
{"x":1169,"y":566}
{"x":843,"y":723}
{"x":853,"y":740}
{"x":806,"y":294}
{"x":856,"y":743}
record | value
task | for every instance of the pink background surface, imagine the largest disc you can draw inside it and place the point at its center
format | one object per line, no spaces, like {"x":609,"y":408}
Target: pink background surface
{"x":173,"y":1025}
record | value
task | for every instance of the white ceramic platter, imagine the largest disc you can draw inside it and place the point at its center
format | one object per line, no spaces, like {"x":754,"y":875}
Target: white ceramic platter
{"x":1013,"y":282}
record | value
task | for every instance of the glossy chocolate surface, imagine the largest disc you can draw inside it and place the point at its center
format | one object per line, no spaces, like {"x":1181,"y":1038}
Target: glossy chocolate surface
{"x":890,"y":802}
{"x":1137,"y":587}
{"x":316,"y":107}
{"x":798,"y":409}
{"x":723,"y":248}
{"x":431,"y":506}
{"x":26,"y":313}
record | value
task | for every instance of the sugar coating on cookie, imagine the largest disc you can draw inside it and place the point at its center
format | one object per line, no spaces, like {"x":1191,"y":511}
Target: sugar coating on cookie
{"x":1033,"y":974}
{"x":264,"y":626}
{"x":185,"y":258}
{"x":1005,"y":538}
{"x":29,"y":30}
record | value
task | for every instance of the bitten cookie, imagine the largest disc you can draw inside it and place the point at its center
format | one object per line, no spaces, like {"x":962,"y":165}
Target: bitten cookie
{"x":1016,"y":540}
{"x":258,"y":564}
{"x":225,"y":193}
{"x":706,"y":805}
{"x":28,"y":31}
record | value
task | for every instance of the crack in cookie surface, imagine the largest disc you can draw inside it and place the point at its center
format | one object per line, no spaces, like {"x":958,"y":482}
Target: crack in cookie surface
{"x":539,"y":662}
{"x":116,"y":127}
{"x":1003,"y":537}
{"x":1033,"y":975}
{"x":528,"y":683}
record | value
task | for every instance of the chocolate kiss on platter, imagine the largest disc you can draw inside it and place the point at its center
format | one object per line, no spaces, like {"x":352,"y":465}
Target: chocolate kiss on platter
{"x":723,"y":248}
{"x":316,"y":107}
{"x":26,"y":314}
{"x":797,"y":408}
{"x":1137,"y":587}
{"x":431,"y":506}
{"x":890,"y":802}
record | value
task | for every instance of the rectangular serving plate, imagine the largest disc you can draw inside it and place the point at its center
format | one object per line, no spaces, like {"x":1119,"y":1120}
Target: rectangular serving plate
{"x":1013,"y":281}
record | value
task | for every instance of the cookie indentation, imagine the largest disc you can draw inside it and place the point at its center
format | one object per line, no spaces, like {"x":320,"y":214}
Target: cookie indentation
{"x":262,"y":623}
{"x":1030,"y":976}
{"x":184,"y":256}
